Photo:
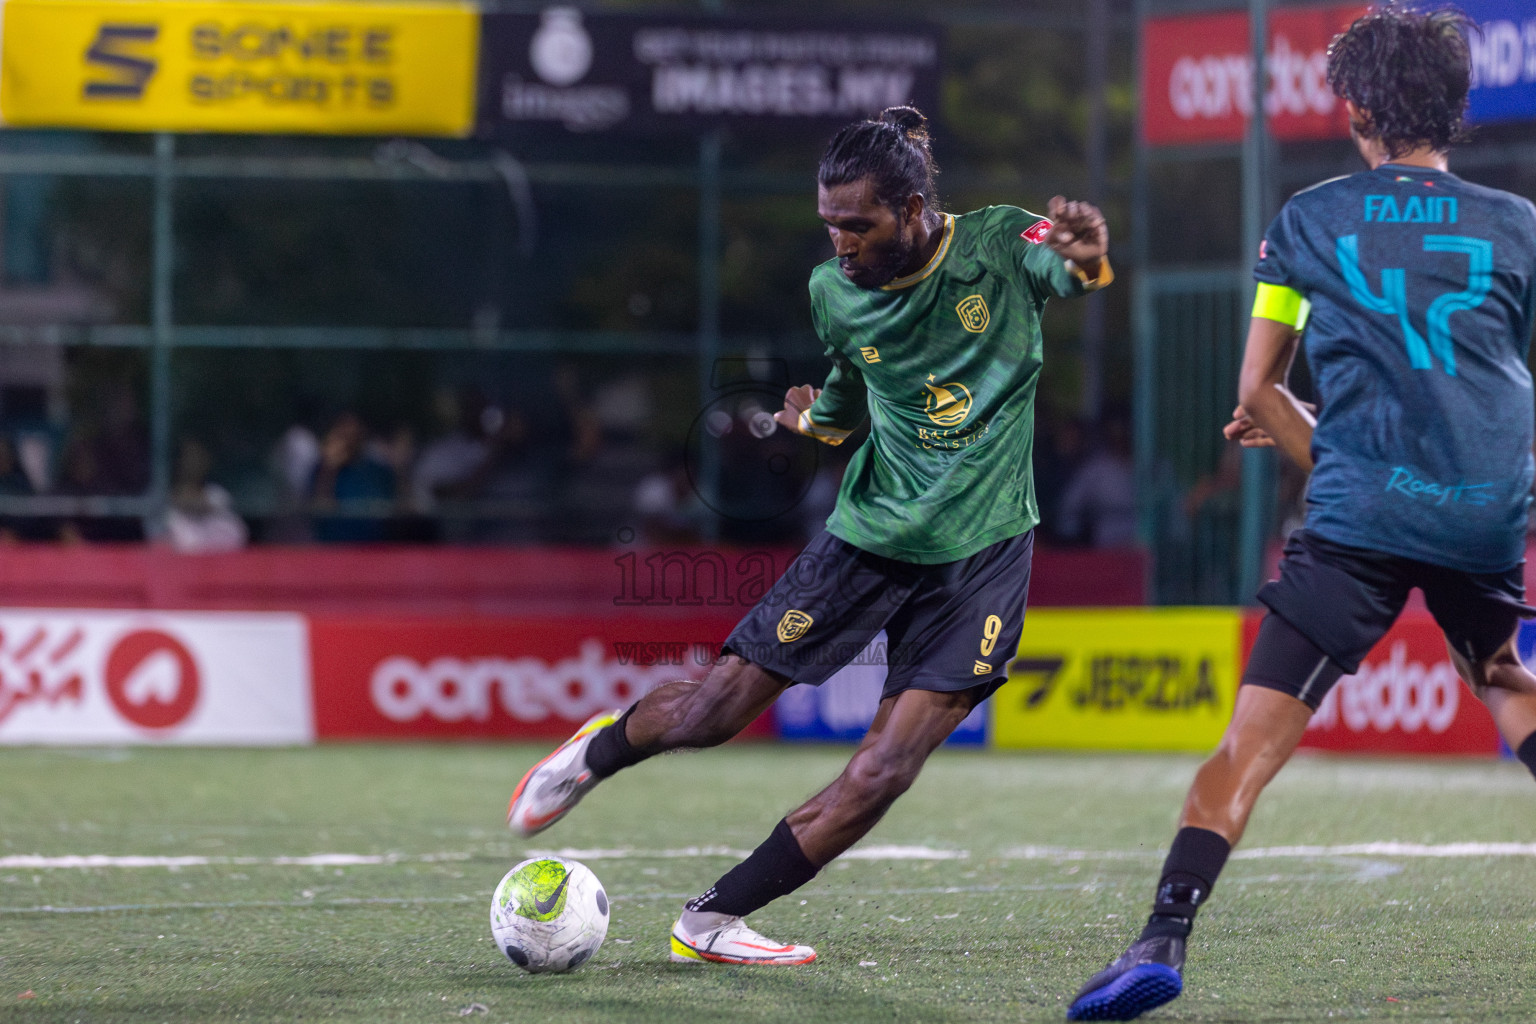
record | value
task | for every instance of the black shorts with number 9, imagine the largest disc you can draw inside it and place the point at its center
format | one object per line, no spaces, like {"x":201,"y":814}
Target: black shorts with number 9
{"x":950,"y":626}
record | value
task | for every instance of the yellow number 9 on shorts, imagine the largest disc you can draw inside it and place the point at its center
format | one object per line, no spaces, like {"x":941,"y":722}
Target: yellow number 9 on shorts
{"x":989,"y":631}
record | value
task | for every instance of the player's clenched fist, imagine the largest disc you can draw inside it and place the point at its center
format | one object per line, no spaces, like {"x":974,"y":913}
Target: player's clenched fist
{"x":1078,"y":231}
{"x":796,"y":401}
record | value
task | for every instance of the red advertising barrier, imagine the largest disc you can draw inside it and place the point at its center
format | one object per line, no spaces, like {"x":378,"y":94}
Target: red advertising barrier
{"x":380,"y":678}
{"x":1405,"y":699}
{"x":458,"y":582}
{"x":1197,"y":72}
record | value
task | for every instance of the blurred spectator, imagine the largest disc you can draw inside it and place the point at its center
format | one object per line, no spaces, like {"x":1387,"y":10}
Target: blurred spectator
{"x":13,"y":483}
{"x":13,"y":479}
{"x":348,"y":473}
{"x":667,"y":505}
{"x":202,"y":514}
{"x":606,"y":452}
{"x":454,"y":459}
{"x":295,"y":458}
{"x":80,"y":476}
{"x":1099,"y":504}
{"x":1060,"y":444}
{"x":120,"y":447}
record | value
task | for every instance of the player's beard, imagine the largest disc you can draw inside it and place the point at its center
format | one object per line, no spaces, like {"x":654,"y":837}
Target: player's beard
{"x":882,"y":265}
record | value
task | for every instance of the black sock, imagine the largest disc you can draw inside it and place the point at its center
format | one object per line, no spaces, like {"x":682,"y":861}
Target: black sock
{"x":1527,"y":752}
{"x":774,"y":869}
{"x":1194,"y":861}
{"x":610,"y":750}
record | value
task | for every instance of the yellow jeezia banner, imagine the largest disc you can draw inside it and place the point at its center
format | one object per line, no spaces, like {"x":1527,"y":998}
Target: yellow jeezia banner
{"x":1121,"y":679}
{"x":336,"y":68}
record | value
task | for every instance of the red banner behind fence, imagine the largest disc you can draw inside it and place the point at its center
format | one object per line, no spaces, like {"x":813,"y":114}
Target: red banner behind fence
{"x":1197,"y":73}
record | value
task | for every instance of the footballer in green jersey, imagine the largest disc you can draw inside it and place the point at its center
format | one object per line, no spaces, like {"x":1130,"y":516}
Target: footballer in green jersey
{"x":932,"y":323}
{"x":943,"y":363}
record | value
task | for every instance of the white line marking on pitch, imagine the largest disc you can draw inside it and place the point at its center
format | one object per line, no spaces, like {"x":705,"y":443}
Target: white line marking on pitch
{"x":880,"y":852}
{"x":1393,"y":849}
{"x":36,"y":862}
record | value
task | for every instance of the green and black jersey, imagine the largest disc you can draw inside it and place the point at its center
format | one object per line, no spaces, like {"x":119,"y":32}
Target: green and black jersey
{"x":944,"y":364}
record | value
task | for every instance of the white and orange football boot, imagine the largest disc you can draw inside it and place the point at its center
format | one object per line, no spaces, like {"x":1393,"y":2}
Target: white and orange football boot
{"x":556,"y":784}
{"x":728,"y":940}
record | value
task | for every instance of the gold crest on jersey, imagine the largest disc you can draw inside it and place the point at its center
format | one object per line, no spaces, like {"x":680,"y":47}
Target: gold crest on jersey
{"x":973,"y":312}
{"x":794,"y":625}
{"x":947,"y":404}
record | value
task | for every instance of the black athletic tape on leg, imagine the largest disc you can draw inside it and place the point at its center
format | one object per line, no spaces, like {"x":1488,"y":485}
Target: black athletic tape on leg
{"x":1527,"y":752}
{"x":776,"y":868}
{"x":1194,"y":862}
{"x":610,"y":751}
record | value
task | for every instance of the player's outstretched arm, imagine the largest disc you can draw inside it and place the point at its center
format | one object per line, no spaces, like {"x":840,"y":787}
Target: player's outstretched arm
{"x":1078,"y":233}
{"x":1266,"y":405}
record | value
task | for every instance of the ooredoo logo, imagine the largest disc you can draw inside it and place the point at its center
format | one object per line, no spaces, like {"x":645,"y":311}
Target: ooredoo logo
{"x":152,"y":679}
{"x":527,"y":689}
{"x":1393,"y":694}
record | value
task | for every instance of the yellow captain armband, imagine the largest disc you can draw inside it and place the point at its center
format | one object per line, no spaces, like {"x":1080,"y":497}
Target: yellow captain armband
{"x":1281,"y":304}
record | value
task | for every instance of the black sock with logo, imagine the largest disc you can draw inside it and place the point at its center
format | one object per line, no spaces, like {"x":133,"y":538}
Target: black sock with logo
{"x":1527,"y":752}
{"x":776,"y":868}
{"x":1194,"y":861}
{"x":610,"y":750}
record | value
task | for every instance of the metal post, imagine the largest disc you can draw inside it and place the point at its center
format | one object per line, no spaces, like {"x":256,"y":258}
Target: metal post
{"x":1258,"y":463}
{"x":163,"y":267}
{"x":1097,"y":46}
{"x":1144,"y":394}
{"x":710,"y":146}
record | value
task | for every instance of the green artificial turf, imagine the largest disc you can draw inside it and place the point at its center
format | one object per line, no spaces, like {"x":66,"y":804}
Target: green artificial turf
{"x":1061,"y":853}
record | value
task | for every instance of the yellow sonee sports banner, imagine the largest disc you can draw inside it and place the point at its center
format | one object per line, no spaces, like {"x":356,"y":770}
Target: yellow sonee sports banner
{"x":239,"y":67}
{"x":1121,"y":679}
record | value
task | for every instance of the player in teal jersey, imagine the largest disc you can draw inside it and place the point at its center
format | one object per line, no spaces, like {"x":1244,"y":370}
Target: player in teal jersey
{"x":932,"y":323}
{"x":1455,"y":263}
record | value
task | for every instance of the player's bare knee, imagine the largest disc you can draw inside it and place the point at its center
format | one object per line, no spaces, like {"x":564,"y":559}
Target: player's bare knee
{"x":723,"y":704}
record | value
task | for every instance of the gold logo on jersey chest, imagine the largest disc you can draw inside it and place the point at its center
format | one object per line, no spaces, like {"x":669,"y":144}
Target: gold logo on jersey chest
{"x":870,"y":353}
{"x":947,"y":404}
{"x":973,"y":312}
{"x":794,"y":625}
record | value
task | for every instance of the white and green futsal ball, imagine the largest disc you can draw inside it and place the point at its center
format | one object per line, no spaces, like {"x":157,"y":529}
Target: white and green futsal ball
{"x":549,"y":914}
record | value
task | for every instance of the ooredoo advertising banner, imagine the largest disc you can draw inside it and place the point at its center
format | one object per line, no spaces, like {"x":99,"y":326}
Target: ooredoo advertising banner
{"x":1197,"y":72}
{"x":193,"y":65}
{"x":495,"y":678}
{"x":72,"y":677}
{"x":1405,"y":699}
{"x":1121,"y":679}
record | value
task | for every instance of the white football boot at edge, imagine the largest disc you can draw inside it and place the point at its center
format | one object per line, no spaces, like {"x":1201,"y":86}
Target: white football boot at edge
{"x":556,"y":784}
{"x":730,"y":941}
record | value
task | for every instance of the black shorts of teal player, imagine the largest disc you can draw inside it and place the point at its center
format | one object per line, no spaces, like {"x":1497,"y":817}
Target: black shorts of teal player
{"x":1332,"y":603}
{"x":951,"y":626}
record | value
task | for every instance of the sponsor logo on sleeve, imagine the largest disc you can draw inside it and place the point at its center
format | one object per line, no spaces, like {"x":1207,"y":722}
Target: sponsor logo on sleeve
{"x":1037,"y":231}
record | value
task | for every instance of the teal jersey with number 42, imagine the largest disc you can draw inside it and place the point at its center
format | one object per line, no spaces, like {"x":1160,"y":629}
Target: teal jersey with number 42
{"x":1422,"y":289}
{"x":944,"y":364}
